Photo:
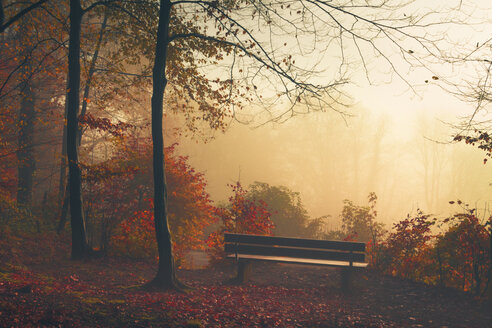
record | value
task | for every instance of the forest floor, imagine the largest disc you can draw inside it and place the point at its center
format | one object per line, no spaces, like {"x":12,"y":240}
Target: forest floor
{"x":41,"y":287}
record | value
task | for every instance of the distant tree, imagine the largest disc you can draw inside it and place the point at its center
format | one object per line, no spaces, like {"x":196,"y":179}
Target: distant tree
{"x":288,"y":213}
{"x":32,"y":70}
{"x":359,"y":222}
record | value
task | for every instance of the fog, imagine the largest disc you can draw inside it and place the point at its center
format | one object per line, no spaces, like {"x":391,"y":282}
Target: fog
{"x":407,"y":158}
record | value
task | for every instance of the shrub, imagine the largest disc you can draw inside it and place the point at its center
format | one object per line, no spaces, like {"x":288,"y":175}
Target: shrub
{"x":241,"y":215}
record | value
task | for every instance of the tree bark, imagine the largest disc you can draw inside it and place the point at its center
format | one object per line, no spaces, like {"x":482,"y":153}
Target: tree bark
{"x":27,"y":114}
{"x":25,"y":153}
{"x":79,"y":239}
{"x":92,"y":70}
{"x":2,"y":15}
{"x":166,"y":276}
{"x":62,"y":194}
{"x":64,"y":211}
{"x":63,"y":162}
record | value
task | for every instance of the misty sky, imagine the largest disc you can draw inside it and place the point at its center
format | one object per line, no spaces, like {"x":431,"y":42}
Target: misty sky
{"x":396,"y":142}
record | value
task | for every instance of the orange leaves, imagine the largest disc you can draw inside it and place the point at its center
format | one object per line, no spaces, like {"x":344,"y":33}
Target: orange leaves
{"x":464,"y":250}
{"x":190,"y":209}
{"x":457,"y":257}
{"x":104,"y":124}
{"x":241,"y":215}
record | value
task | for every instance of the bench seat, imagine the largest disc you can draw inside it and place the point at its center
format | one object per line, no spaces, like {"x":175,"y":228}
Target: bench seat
{"x":244,"y":248}
{"x":294,"y":260}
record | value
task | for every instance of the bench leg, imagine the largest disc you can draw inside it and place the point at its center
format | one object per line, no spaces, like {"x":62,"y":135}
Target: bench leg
{"x":243,"y":271}
{"x":346,"y":276}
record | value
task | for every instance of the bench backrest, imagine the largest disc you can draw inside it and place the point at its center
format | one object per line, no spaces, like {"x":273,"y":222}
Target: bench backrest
{"x":294,"y":247}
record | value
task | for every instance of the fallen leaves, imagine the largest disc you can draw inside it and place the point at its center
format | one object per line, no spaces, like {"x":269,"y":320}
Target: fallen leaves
{"x":106,"y":292}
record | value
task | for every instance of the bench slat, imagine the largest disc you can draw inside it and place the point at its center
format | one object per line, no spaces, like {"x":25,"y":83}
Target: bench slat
{"x":294,"y":252}
{"x":298,"y":260}
{"x":294,"y":242}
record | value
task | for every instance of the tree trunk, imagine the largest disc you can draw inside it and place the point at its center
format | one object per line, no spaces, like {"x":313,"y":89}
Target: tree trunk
{"x":62,"y":194}
{"x":79,"y":240}
{"x":2,"y":15}
{"x":166,"y":276}
{"x":63,"y":163}
{"x":92,"y":70}
{"x":27,"y":114}
{"x":25,"y":153}
{"x":64,"y":211}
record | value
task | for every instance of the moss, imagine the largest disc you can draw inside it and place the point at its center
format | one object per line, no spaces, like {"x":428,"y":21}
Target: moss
{"x":92,"y":300}
{"x":4,"y":276}
{"x":194,"y":323}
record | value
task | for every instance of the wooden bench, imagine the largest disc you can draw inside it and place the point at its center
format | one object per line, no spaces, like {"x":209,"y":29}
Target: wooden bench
{"x":246,"y":248}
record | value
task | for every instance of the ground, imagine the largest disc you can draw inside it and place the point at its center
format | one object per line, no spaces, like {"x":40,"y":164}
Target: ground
{"x":49,"y":290}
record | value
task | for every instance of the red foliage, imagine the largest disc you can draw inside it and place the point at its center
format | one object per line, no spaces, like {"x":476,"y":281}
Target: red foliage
{"x":460,"y":257}
{"x":190,"y":208}
{"x":242,"y":215}
{"x":31,"y":57}
{"x":464,"y":252}
{"x":408,"y":247}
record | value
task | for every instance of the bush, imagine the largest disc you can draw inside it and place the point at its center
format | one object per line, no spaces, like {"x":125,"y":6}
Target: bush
{"x":464,"y":253}
{"x":460,"y":257}
{"x":241,"y":215}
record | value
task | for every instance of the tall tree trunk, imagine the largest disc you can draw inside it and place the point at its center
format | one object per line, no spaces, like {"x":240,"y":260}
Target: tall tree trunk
{"x":2,"y":15}
{"x":63,"y":195}
{"x":92,"y":70}
{"x":64,"y":211}
{"x":27,"y":113}
{"x":25,"y":155}
{"x":166,"y":276}
{"x":63,"y":162}
{"x":63,"y":188}
{"x":79,"y":239}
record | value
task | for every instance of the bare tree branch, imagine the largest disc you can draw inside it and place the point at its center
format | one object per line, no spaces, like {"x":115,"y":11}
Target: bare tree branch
{"x":17,"y":16}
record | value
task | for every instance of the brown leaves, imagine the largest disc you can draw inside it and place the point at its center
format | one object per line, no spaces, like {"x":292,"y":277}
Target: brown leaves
{"x":104,"y":124}
{"x":483,"y":139}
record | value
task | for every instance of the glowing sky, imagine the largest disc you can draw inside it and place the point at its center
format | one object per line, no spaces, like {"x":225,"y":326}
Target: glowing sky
{"x":300,"y":152}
